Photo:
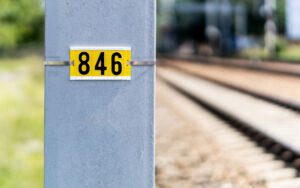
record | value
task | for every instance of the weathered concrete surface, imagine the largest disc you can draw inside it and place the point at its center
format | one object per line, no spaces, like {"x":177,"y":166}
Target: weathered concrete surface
{"x":99,"y":134}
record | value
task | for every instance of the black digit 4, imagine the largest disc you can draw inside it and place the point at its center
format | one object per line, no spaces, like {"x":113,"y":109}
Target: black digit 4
{"x":100,"y":65}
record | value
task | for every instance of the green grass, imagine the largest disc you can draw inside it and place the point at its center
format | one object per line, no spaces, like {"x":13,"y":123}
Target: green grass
{"x":289,"y":53}
{"x":292,"y":52}
{"x":254,"y":53}
{"x":21,"y":122}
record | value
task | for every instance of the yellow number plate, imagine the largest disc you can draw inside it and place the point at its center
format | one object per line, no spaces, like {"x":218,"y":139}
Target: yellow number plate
{"x":100,"y":63}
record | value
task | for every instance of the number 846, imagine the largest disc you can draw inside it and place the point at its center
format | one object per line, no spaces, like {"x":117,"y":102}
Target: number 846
{"x":84,"y":67}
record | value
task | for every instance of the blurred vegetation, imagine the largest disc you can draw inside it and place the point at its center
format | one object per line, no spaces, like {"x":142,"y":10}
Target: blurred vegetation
{"x":290,"y":53}
{"x":253,"y":14}
{"x":285,"y":52}
{"x":21,"y":96}
{"x":281,"y":19}
{"x":21,"y":22}
{"x":21,"y":122}
{"x":178,"y":26}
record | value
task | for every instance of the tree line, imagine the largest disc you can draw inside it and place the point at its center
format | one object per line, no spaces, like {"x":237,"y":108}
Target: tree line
{"x":21,"y":23}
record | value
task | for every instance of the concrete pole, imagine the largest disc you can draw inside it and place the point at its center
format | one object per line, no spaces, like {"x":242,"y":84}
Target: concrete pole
{"x":99,"y":133}
{"x":270,"y":28}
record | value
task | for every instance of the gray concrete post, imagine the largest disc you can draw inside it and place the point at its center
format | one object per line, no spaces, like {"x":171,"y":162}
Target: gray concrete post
{"x":99,"y":134}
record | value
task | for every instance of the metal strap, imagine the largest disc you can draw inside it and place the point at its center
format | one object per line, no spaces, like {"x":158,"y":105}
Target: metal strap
{"x":57,"y":63}
{"x":143,"y":63}
{"x":66,"y":63}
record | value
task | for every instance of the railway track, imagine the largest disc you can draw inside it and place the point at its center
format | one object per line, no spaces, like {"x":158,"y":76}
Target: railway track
{"x":271,"y":127}
{"x":188,"y":154}
{"x":281,"y":101}
{"x":282,"y":68}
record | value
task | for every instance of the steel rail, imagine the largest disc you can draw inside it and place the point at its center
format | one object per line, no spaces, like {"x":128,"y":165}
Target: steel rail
{"x":271,"y":99}
{"x":256,"y":65}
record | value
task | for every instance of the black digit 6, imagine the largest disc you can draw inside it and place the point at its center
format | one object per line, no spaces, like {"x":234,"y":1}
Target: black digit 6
{"x":116,"y":63}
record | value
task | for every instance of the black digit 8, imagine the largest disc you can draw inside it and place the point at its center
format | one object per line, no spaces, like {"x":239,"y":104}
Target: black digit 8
{"x":84,"y":63}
